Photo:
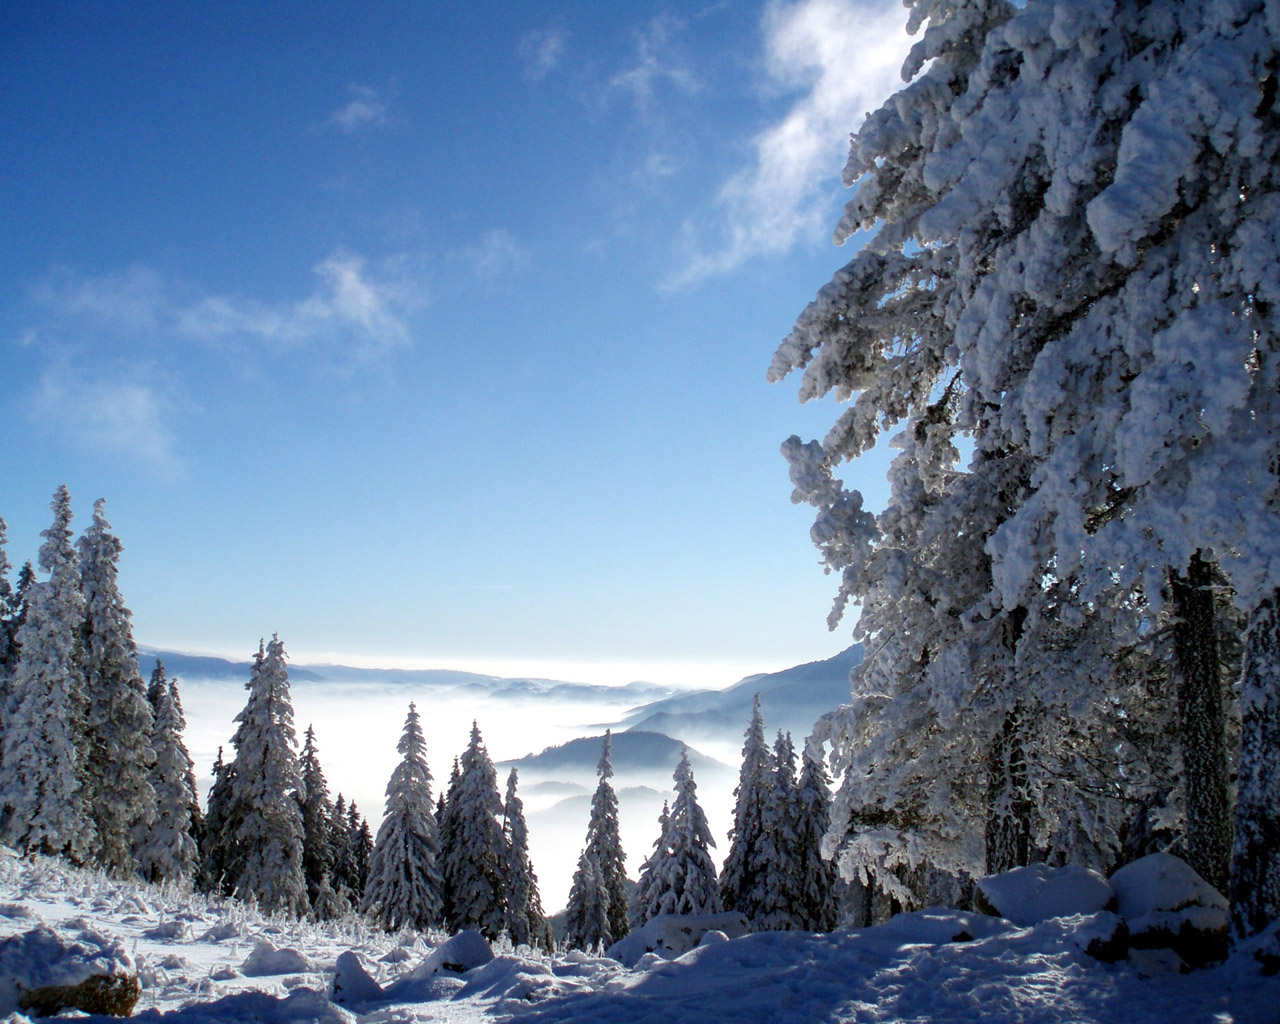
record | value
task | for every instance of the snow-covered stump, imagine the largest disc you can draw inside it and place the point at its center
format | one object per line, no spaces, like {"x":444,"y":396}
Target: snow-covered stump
{"x":42,"y":974}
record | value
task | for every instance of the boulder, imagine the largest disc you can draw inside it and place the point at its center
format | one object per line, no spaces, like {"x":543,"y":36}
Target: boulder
{"x":42,"y":973}
{"x":1168,"y":906}
{"x":673,"y":935}
{"x":1029,"y":895}
{"x":457,"y":954}
{"x":1103,"y":936}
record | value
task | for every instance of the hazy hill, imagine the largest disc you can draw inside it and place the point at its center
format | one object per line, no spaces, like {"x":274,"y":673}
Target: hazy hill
{"x":634,"y":752}
{"x":791,"y":700}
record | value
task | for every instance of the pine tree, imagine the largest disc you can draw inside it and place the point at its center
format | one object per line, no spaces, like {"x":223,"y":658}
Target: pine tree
{"x":603,"y":849}
{"x":816,"y":903}
{"x":779,"y":868}
{"x":8,"y":646}
{"x":741,"y":880}
{"x":361,"y":839}
{"x":447,"y":826}
{"x":265,"y":863}
{"x":156,"y":685}
{"x":473,"y":863}
{"x":645,"y":900}
{"x":220,"y":827}
{"x":341,"y":877}
{"x":317,"y":848}
{"x":404,"y":881}
{"x":526,"y":922}
{"x":685,"y":879}
{"x":170,"y":852}
{"x":44,"y":732}
{"x":118,"y":759}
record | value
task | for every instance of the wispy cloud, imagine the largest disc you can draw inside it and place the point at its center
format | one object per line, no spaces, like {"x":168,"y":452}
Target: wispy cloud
{"x":542,"y":50}
{"x":495,"y":253}
{"x":657,"y":62}
{"x":365,"y":108}
{"x":845,"y":58}
{"x":124,"y":414}
{"x":355,"y":313}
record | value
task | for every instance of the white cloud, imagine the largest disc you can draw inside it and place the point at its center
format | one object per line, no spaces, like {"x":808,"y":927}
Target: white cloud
{"x":846,"y":57}
{"x":541,"y":51}
{"x":120,"y":415}
{"x":656,"y":61}
{"x":494,"y":254}
{"x":365,"y":108}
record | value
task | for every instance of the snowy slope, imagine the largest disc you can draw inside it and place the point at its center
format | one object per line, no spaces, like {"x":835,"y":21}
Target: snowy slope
{"x":634,"y":751}
{"x":195,"y":957}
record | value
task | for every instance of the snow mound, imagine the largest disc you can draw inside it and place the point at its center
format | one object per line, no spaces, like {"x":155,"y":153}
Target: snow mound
{"x":673,"y":935}
{"x":41,"y":960}
{"x":1036,"y":893}
{"x":352,"y":982}
{"x":458,"y":954}
{"x":267,"y":959}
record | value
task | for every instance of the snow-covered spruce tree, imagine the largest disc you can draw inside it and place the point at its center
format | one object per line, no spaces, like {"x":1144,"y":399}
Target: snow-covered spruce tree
{"x":317,"y":847}
{"x":780,"y":867}
{"x":156,"y":685}
{"x":118,"y":760}
{"x":44,"y":730}
{"x":644,"y":901}
{"x":603,"y":848}
{"x":404,"y":883}
{"x":685,"y":877}
{"x":473,"y":862}
{"x":220,"y":826}
{"x":361,"y":847}
{"x":170,"y":852}
{"x":742,"y":875}
{"x":587,"y":915}
{"x":340,"y":842}
{"x":8,"y":643}
{"x":265,"y":861}
{"x":447,"y":827}
{"x":816,"y":905}
{"x":1070,"y":207}
{"x":526,"y":922}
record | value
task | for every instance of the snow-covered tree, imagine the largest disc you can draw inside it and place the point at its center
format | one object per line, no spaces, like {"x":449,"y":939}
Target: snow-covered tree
{"x":8,"y":642}
{"x":741,"y":879}
{"x":44,"y":730}
{"x":317,"y":847}
{"x":170,"y":851}
{"x":473,"y":860}
{"x":526,"y":922}
{"x":117,"y":762}
{"x":779,"y":864}
{"x":447,"y":827}
{"x":816,"y":904}
{"x":404,"y":882}
{"x":361,"y":847}
{"x":265,"y":862}
{"x":1073,"y":210}
{"x":603,"y":848}
{"x":684,"y":879}
{"x":645,"y":900}
{"x":220,"y":827}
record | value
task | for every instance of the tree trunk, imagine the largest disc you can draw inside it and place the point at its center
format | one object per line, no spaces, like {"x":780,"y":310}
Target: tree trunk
{"x":1202,"y":724}
{"x":1009,"y":810}
{"x":1255,"y":861}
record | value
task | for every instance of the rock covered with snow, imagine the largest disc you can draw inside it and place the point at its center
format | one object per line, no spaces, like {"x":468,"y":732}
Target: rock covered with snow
{"x":1103,"y":936}
{"x":1035,"y":893}
{"x":42,"y":973}
{"x":672,"y":935}
{"x":1168,"y":906}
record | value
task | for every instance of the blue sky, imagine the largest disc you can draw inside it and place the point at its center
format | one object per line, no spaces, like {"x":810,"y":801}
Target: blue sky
{"x":431,"y":333}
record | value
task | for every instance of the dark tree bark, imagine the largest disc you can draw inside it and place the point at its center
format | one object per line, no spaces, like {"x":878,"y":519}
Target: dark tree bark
{"x":1009,"y":809}
{"x":1255,"y":861}
{"x":1201,"y":714}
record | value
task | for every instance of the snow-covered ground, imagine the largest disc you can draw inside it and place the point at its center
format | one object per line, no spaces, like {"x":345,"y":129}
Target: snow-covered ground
{"x":201,"y":962}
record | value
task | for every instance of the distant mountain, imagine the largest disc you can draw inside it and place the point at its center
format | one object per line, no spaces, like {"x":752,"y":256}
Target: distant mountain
{"x":633,"y":752}
{"x":791,"y":700}
{"x":191,"y":666}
